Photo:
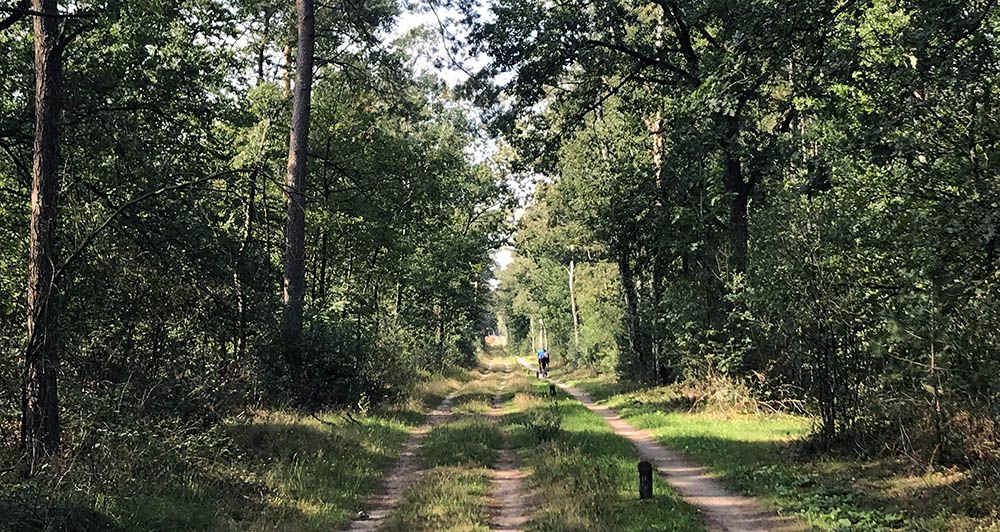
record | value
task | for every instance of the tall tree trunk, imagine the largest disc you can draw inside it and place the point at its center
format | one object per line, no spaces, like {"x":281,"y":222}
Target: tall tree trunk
{"x":739,"y":189}
{"x":656,"y":289}
{"x":240,"y":271}
{"x":655,"y":126}
{"x":531,"y":328}
{"x":439,"y":335}
{"x":286,"y":78}
{"x":324,"y":259}
{"x":631,"y":308}
{"x":40,"y":399}
{"x":572,"y":307}
{"x":262,"y":49}
{"x":543,"y":336}
{"x":295,"y":185}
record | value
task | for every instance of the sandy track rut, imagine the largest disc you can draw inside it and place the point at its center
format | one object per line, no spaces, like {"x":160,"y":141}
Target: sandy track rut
{"x":509,"y":504}
{"x":400,"y":474}
{"x":721,"y":509}
{"x":508,"y":507}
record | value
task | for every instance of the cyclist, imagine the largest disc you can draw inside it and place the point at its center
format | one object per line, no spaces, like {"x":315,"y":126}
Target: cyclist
{"x":543,"y":363}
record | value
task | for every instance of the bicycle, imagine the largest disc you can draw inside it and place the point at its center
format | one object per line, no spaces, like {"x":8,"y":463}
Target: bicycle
{"x":543,"y":368}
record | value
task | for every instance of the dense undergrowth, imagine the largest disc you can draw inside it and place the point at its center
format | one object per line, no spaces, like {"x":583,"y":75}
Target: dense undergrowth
{"x":771,"y":455}
{"x":269,"y":470}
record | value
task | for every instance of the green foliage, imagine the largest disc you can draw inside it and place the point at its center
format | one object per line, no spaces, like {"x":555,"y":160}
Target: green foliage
{"x":534,"y":288}
{"x":544,"y":424}
{"x":173,"y":150}
{"x":799,"y":196}
{"x":266,"y":470}
{"x":761,"y":455}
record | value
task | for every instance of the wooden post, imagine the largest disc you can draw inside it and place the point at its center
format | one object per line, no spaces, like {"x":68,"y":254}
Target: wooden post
{"x":645,"y":480}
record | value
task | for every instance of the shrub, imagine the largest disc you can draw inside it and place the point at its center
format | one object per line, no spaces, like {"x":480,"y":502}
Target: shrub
{"x":545,"y":423}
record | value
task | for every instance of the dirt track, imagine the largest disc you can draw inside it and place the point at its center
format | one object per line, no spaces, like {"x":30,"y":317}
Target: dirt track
{"x":400,"y":475}
{"x":721,"y":509}
{"x":509,"y":505}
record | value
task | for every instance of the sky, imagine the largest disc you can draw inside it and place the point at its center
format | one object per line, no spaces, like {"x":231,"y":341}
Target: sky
{"x":440,"y":62}
{"x":438,"y":19}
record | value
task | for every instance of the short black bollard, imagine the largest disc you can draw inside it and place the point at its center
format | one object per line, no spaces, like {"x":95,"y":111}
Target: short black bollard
{"x":645,"y":480}
{"x":552,"y":390}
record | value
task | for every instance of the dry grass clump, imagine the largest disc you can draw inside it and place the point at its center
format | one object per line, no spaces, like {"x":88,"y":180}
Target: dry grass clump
{"x":523,"y":402}
{"x":976,"y":441}
{"x":722,"y":395}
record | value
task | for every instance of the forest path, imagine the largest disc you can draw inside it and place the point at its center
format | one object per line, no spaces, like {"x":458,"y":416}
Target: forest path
{"x":721,"y":509}
{"x":509,"y":505}
{"x":401,"y":474}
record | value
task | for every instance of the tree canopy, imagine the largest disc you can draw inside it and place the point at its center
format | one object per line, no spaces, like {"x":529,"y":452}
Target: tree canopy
{"x":801,"y":194}
{"x":210,"y":208}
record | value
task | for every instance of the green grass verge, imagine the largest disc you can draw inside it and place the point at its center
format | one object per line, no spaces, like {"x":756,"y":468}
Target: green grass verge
{"x":451,"y":494}
{"x":758,"y":455}
{"x":275,"y":471}
{"x":583,"y":476}
{"x":443,"y":498}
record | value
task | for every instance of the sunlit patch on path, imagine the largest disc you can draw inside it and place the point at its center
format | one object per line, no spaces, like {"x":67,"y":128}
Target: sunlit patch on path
{"x":402,"y":473}
{"x":722,"y":509}
{"x":508,"y":501}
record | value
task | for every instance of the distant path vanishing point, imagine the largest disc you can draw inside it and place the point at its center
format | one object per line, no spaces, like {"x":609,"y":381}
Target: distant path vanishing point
{"x":721,"y":509}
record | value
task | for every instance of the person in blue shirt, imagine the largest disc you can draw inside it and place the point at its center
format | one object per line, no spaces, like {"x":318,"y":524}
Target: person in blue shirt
{"x":543,"y":361}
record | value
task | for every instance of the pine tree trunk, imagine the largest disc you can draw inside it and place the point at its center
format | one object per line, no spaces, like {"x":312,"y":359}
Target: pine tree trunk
{"x":295,"y":229}
{"x":40,"y":416}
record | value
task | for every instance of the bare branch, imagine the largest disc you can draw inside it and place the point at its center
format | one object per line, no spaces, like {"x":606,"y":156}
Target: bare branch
{"x":126,"y":206}
{"x":16,"y":14}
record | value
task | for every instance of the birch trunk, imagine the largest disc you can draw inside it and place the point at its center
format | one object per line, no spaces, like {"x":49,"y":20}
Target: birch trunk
{"x":572,"y":307}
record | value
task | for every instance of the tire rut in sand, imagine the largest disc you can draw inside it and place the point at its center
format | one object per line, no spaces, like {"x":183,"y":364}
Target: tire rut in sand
{"x":721,"y":509}
{"x":509,"y":505}
{"x":401,"y":474}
